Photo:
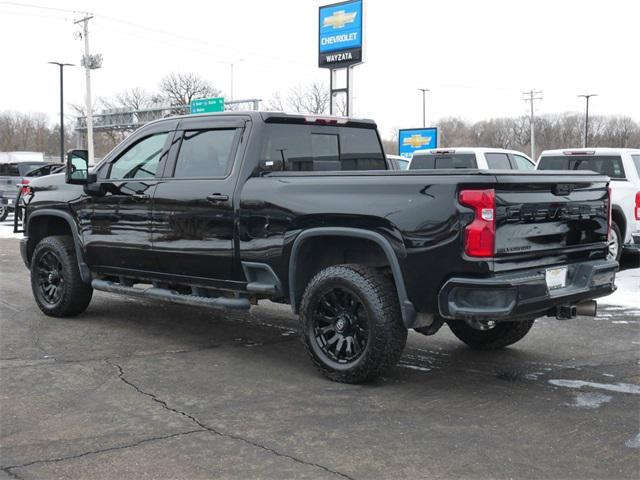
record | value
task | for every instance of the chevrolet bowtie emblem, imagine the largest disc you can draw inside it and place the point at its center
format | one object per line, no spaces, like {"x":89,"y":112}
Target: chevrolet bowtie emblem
{"x":416,"y":141}
{"x":339,"y":19}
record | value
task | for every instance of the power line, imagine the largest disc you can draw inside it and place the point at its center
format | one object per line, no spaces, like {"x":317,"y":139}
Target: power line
{"x":161,"y":32}
{"x":530,"y":97}
{"x":41,"y":7}
{"x":36,"y":15}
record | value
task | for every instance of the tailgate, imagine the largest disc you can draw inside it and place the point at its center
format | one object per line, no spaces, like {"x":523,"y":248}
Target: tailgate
{"x":8,"y":186}
{"x":551,"y":214}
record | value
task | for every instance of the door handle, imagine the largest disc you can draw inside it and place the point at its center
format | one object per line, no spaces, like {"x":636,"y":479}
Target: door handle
{"x":140,"y":196}
{"x":217,"y":197}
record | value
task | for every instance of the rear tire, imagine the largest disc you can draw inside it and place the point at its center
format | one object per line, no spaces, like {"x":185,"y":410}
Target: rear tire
{"x":502,"y":334}
{"x":614,"y":247}
{"x":351,"y":323}
{"x":55,"y":278}
{"x":4,"y":212}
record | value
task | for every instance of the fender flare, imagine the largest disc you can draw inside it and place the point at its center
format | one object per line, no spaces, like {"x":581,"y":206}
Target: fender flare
{"x":406,"y":306}
{"x":85,"y":273}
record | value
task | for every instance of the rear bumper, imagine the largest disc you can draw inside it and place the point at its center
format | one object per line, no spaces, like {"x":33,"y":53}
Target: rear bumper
{"x":634,"y":245}
{"x":7,"y":202}
{"x":523,"y":294}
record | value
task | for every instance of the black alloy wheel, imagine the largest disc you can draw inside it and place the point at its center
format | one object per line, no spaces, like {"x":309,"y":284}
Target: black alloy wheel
{"x":340,"y":325}
{"x":351,"y":323}
{"x":50,"y":277}
{"x":56,"y":282}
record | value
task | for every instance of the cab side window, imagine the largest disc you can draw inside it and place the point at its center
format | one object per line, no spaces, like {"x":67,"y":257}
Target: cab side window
{"x":141,"y":160}
{"x":205,"y":154}
{"x":498,"y":161}
{"x":522,"y":163}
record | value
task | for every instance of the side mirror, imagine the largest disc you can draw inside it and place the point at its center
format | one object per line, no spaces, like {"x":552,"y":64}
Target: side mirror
{"x":77,"y":170}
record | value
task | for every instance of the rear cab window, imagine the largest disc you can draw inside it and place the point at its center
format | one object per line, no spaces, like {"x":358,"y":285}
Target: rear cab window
{"x":610,"y":165}
{"x":9,"y":170}
{"x":315,"y":148}
{"x":443,"y":161}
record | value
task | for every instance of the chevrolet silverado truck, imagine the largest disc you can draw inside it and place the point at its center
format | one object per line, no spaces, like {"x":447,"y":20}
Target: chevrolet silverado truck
{"x":227,"y":209}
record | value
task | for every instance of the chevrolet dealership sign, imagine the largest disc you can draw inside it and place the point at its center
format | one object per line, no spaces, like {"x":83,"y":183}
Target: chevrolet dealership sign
{"x":340,"y":35}
{"x":410,"y":140}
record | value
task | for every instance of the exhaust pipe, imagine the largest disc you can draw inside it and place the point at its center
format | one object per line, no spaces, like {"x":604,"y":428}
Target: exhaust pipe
{"x":588,"y":308}
{"x":567,"y":312}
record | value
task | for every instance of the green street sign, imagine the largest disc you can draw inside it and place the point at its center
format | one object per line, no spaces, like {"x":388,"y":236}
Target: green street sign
{"x":207,"y":105}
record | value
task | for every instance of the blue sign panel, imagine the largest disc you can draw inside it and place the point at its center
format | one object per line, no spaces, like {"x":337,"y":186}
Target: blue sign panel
{"x":410,"y":140}
{"x":341,"y":26}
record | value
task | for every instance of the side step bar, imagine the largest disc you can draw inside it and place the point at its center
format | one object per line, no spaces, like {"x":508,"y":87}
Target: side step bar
{"x":155,"y":293}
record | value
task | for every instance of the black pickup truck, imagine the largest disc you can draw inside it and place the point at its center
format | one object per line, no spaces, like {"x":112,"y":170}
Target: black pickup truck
{"x":224,"y":210}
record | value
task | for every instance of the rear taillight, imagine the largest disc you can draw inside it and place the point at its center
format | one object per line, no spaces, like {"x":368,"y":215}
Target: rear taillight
{"x":637,"y":209}
{"x":480,"y":235}
{"x":24,"y":186}
{"x":609,"y":224}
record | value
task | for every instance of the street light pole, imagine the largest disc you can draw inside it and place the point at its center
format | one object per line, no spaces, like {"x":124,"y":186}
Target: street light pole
{"x":424,"y":106}
{"x":231,"y":64}
{"x":586,"y":117}
{"x":62,"y":65}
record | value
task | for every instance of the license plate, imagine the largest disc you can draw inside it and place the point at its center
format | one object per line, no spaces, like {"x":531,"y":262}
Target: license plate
{"x":556,"y":277}
{"x":9,"y":202}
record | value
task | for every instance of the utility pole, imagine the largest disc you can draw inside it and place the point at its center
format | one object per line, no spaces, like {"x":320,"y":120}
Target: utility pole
{"x":586,"y":117}
{"x":62,"y":65}
{"x":530,"y":96}
{"x":424,"y":106}
{"x":89,"y":62}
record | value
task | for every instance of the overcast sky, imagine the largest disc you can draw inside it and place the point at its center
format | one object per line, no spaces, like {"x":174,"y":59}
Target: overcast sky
{"x":476,"y":56}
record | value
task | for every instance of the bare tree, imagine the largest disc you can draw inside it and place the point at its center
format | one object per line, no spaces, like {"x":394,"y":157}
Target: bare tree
{"x":135,"y":99}
{"x":180,"y":88}
{"x":552,"y":131}
{"x":309,"y":98}
{"x":275,"y":103}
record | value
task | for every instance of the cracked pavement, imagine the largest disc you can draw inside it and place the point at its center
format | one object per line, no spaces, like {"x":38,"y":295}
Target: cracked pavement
{"x":139,"y":389}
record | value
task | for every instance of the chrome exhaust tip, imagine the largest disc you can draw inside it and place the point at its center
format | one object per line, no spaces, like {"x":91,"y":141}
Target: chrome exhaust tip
{"x":588,"y":308}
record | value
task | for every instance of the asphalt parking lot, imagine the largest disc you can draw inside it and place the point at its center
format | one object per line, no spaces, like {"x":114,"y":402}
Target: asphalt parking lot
{"x":137,"y":389}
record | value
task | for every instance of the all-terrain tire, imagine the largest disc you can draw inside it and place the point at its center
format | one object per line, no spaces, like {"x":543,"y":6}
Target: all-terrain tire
{"x":500,"y":336}
{"x":54,"y":258}
{"x":379,"y":311}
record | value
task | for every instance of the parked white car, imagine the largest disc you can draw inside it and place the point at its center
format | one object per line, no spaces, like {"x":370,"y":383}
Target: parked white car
{"x":471,"y":157}
{"x":622,"y":165}
{"x":396,"y":162}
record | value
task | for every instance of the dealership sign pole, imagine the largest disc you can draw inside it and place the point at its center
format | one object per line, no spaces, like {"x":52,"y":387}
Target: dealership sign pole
{"x":340,"y":48}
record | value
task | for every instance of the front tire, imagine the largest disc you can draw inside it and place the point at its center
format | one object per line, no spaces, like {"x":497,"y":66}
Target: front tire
{"x":55,"y":278}
{"x":351,"y":323}
{"x":490,"y":335}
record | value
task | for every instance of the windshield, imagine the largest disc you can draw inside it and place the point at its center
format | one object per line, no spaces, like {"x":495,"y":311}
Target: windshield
{"x":442,"y":161}
{"x":610,"y":165}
